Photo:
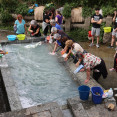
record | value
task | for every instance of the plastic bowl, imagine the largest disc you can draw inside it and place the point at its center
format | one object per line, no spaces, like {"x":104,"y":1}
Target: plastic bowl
{"x":11,"y":37}
{"x":21,"y":36}
{"x":107,"y":29}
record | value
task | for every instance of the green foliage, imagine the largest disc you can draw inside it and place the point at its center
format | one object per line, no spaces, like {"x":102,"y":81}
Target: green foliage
{"x":5,"y":17}
{"x":79,"y":34}
{"x":102,"y":31}
{"x":87,"y":11}
{"x":67,"y":10}
{"x":4,"y":26}
{"x":9,"y":5}
{"x":108,"y":10}
{"x":22,"y":9}
{"x":49,"y":6}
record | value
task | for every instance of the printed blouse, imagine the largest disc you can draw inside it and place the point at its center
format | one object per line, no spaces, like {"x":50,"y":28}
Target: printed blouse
{"x":90,"y":61}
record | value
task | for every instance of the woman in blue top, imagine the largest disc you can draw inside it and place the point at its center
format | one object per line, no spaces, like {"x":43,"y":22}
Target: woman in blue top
{"x":20,"y":25}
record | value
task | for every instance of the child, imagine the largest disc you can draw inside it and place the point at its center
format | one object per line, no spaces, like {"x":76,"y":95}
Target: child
{"x":115,"y":63}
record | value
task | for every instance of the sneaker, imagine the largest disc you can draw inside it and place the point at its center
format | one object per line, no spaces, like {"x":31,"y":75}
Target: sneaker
{"x":91,"y":44}
{"x":110,"y":46}
{"x":111,"y":69}
{"x":97,"y":45}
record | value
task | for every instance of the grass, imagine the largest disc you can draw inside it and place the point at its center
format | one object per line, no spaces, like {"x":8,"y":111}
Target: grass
{"x":6,"y":27}
{"x":79,"y":34}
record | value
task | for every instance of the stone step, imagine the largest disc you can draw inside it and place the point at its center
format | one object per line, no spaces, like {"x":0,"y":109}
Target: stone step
{"x":81,"y":108}
{"x":45,"y":110}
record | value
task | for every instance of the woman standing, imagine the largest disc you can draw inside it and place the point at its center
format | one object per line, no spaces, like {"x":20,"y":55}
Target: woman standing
{"x":45,"y":23}
{"x":20,"y":25}
{"x":59,"y":18}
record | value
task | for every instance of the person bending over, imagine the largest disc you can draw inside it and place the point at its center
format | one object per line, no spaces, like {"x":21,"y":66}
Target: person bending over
{"x":72,"y":47}
{"x":92,"y":62}
{"x":34,"y":29}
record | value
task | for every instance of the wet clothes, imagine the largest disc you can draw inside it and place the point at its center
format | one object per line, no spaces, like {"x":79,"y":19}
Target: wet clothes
{"x":96,"y":18}
{"x":102,"y":70}
{"x":35,"y":29}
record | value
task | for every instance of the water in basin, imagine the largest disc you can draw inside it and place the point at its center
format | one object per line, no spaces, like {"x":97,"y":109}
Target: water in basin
{"x":39,"y":77}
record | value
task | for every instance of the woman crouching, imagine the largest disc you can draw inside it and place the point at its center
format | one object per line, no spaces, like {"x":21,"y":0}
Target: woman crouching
{"x":94,"y":63}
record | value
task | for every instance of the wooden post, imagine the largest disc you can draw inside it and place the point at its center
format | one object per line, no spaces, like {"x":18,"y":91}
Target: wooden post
{"x":68,"y":24}
{"x":108,"y":20}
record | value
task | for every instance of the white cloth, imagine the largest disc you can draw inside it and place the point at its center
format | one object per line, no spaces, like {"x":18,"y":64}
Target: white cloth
{"x":44,"y":25}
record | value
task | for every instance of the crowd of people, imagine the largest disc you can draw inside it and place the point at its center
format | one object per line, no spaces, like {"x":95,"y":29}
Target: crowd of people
{"x":52,"y":22}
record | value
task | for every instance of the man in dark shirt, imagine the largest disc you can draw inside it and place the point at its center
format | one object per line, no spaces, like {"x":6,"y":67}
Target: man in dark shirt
{"x":114,"y":33}
{"x":96,"y":20}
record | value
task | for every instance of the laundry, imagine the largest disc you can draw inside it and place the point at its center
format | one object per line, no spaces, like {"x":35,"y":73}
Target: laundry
{"x":33,"y":45}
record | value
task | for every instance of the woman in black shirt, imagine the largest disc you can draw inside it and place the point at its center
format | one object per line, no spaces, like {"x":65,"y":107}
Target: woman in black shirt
{"x":34,"y":29}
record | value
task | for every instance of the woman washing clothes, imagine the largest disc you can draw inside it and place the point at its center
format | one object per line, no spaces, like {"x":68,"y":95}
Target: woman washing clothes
{"x":60,"y":41}
{"x":92,"y":62}
{"x":73,"y":47}
{"x":20,"y":25}
{"x":34,"y":29}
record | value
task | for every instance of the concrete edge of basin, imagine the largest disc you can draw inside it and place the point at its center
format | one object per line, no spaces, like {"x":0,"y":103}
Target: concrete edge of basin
{"x":29,"y":40}
{"x":12,"y":94}
{"x":11,"y":89}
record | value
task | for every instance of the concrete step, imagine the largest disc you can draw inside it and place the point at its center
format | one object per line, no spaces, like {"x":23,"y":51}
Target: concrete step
{"x":45,"y":110}
{"x":81,"y":108}
{"x":67,"y":113}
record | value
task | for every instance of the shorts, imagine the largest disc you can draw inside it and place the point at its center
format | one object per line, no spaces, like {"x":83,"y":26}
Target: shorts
{"x":114,"y":33}
{"x":95,"y":31}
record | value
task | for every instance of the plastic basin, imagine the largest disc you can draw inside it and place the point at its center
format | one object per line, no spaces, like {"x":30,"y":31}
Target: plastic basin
{"x":97,"y":99}
{"x":107,"y":29}
{"x":21,"y":36}
{"x":11,"y":37}
{"x":84,"y":92}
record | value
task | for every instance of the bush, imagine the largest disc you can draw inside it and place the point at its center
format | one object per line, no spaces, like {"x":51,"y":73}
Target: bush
{"x":108,"y":10}
{"x":5,"y":17}
{"x":87,"y":12}
{"x":22,"y":9}
{"x":9,"y":5}
{"x":67,"y":10}
{"x":49,"y":6}
{"x":79,"y":34}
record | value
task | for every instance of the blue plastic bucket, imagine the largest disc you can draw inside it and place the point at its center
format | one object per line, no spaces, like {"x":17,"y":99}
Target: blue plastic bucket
{"x":84,"y":92}
{"x":97,"y":93}
{"x":11,"y":37}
